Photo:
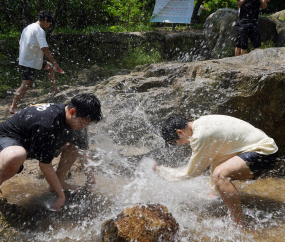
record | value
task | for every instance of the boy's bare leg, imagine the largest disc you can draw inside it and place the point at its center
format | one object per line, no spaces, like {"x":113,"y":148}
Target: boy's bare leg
{"x":233,"y":169}
{"x":68,"y":157}
{"x":21,"y":91}
{"x":237,"y":51}
{"x":11,"y":158}
{"x":51,"y":76}
{"x":243,"y":52}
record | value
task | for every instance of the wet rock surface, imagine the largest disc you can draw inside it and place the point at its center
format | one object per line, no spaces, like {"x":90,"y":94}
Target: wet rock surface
{"x":13,"y":218}
{"x":143,"y":222}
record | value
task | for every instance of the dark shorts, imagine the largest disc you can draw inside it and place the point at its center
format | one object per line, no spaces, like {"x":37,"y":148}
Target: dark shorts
{"x":258,"y":163}
{"x":6,"y":142}
{"x":245,"y":31}
{"x":28,"y":73}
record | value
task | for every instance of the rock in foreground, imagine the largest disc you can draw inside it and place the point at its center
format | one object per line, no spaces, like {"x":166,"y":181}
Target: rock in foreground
{"x":143,"y":222}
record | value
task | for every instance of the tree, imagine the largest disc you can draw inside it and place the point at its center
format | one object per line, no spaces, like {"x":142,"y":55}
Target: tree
{"x":126,"y":10}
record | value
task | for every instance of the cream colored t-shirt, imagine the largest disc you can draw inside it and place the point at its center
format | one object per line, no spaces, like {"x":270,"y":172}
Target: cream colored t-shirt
{"x":217,"y":138}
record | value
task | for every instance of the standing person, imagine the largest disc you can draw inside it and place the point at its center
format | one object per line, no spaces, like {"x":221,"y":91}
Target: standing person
{"x":198,"y":20}
{"x":33,"y":47}
{"x":247,"y":24}
{"x":233,"y":148}
{"x":43,"y":131}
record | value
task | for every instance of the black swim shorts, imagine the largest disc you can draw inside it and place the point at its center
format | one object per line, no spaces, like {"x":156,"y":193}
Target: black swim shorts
{"x":28,"y":73}
{"x":245,"y":31}
{"x":258,"y":163}
{"x":6,"y":142}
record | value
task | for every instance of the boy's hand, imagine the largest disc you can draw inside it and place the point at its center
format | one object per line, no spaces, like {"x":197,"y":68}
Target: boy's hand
{"x":59,"y":202}
{"x":154,"y":167}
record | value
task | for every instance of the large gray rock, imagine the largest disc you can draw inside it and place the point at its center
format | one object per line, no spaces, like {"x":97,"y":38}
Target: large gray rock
{"x":280,"y":28}
{"x":249,"y":87}
{"x":279,"y":15}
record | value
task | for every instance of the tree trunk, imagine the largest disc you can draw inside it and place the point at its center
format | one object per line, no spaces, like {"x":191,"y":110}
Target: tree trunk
{"x":195,"y":11}
{"x":55,"y":16}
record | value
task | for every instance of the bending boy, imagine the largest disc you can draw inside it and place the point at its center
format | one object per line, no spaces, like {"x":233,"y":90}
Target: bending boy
{"x":44,"y":131}
{"x":235,"y":149}
{"x":33,"y":46}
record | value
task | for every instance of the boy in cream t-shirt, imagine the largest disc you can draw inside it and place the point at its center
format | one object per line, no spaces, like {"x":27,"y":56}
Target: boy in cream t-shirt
{"x":233,"y":148}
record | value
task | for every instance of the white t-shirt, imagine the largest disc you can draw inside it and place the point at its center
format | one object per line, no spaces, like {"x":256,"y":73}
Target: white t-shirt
{"x":217,"y":138}
{"x":33,"y":38}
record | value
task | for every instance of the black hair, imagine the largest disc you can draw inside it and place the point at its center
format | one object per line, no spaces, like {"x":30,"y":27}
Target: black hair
{"x":87,"y":106}
{"x":46,"y":15}
{"x":170,"y":126}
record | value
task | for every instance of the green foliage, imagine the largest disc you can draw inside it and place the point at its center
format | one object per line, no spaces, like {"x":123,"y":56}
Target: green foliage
{"x":268,"y":44}
{"x":214,"y":5}
{"x":127,"y":11}
{"x":141,"y":55}
{"x":106,"y":28}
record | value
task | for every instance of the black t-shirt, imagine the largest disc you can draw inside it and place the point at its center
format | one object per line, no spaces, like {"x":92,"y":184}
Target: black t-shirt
{"x":42,"y":130}
{"x":249,"y":11}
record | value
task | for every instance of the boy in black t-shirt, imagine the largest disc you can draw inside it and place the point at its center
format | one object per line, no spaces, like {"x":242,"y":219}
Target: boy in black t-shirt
{"x":43,"y":131}
{"x":247,"y":24}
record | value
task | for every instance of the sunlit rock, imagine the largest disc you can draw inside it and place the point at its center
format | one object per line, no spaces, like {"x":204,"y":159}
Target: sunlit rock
{"x":249,"y":87}
{"x":143,"y":222}
{"x":279,"y":15}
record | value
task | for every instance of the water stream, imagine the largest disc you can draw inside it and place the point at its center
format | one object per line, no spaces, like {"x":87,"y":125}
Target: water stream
{"x":200,"y":217}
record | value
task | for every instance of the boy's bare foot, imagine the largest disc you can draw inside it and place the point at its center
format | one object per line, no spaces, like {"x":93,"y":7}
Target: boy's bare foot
{"x":54,"y":92}
{"x":13,"y":110}
{"x":154,"y":167}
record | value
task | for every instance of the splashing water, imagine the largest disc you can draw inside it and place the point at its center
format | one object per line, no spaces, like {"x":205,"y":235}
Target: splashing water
{"x":121,"y":183}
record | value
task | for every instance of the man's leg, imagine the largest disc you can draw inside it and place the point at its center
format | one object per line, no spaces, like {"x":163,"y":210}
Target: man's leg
{"x":237,"y":51}
{"x":11,"y":158}
{"x":51,"y":75}
{"x":243,"y":52}
{"x":68,"y":157}
{"x":233,"y":169}
{"x":21,"y":91}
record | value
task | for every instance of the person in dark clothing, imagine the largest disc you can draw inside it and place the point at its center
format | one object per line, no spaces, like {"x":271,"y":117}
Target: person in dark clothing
{"x":43,"y":131}
{"x":247,"y":24}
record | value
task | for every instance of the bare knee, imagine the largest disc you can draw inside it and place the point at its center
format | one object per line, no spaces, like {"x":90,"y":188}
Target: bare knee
{"x":12,"y":157}
{"x":220,"y":178}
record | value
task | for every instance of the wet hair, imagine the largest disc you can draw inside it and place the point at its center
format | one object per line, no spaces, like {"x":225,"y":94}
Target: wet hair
{"x":87,"y":106}
{"x":169,"y":127}
{"x":46,"y":15}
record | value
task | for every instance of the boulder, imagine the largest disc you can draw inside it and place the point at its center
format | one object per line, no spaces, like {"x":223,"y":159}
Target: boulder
{"x":96,"y":74}
{"x":143,"y":222}
{"x":280,"y":28}
{"x":249,"y":87}
{"x":279,"y":15}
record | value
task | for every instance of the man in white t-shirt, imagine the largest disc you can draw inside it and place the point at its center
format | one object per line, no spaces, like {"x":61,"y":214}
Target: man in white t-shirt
{"x":233,"y":148}
{"x":33,"y":47}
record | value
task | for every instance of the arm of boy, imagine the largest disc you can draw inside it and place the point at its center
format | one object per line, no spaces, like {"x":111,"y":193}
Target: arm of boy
{"x":263,"y":4}
{"x":52,"y":179}
{"x":240,"y":2}
{"x":50,"y":57}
